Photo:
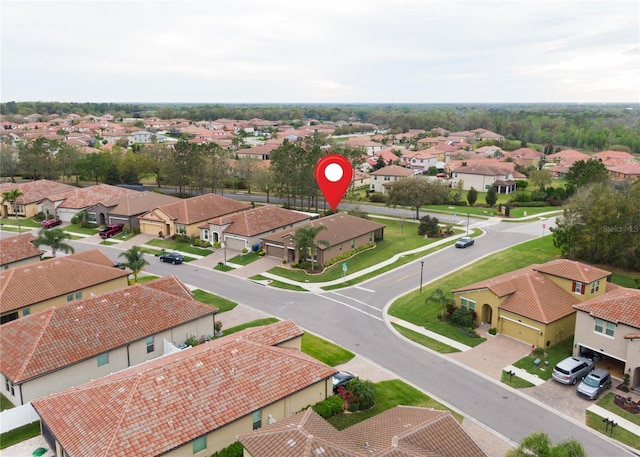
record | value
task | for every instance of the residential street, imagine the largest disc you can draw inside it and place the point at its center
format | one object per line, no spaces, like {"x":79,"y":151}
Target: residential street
{"x":354,"y":318}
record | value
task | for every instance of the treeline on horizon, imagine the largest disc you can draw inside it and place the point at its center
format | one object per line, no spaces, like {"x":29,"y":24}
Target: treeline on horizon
{"x":589,"y":127}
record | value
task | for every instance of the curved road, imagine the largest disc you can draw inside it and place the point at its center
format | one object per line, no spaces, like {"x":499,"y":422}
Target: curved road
{"x":354,"y":318}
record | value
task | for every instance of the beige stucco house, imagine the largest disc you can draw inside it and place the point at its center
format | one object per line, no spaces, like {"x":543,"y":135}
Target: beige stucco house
{"x":36,"y":287}
{"x":380,"y":179}
{"x":186,"y":216}
{"x":99,"y":335}
{"x":18,"y":251}
{"x":609,"y":327}
{"x":482,"y":176}
{"x":34,"y":193}
{"x":534,"y":304}
{"x":190,"y":403}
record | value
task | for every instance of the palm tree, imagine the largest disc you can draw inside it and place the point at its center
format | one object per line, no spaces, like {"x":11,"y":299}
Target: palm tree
{"x":305,"y":239}
{"x":538,"y":444}
{"x":440,"y":297}
{"x":55,"y":239}
{"x":135,"y":261}
{"x":11,"y":196}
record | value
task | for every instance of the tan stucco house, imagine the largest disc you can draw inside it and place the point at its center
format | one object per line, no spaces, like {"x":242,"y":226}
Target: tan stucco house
{"x":343,"y":233}
{"x":99,"y":335}
{"x":186,"y":216}
{"x":609,"y":327}
{"x":190,"y":403}
{"x":379,"y":180}
{"x":534,"y":304}
{"x":34,"y":193}
{"x":128,"y":208}
{"x":18,"y":251}
{"x":36,"y":287}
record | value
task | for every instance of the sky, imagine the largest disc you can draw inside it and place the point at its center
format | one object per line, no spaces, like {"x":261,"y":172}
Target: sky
{"x":326,"y":51}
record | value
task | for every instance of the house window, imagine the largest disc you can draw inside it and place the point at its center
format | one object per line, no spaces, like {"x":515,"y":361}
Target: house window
{"x":578,"y":287}
{"x":8,"y":385}
{"x":149,"y":344}
{"x":199,"y":444}
{"x":91,"y":217}
{"x":353,"y":243}
{"x":469,"y":304}
{"x":70,"y":297}
{"x":607,"y":328}
{"x":375,"y":178}
{"x":26,"y":311}
{"x":181,"y":228}
{"x":205,"y":234}
{"x":78,"y":295}
{"x":257,"y":419}
{"x":103,"y":359}
{"x":370,"y":236}
{"x":387,"y":178}
{"x":595,"y":286}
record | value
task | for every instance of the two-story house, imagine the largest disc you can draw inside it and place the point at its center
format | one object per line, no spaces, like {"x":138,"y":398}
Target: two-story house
{"x":83,"y":340}
{"x":534,"y":304}
{"x":379,"y":180}
{"x":191,"y":402}
{"x":482,"y":176}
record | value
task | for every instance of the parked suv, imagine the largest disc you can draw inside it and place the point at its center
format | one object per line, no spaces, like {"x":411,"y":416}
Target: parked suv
{"x":572,"y":369}
{"x":595,"y":382}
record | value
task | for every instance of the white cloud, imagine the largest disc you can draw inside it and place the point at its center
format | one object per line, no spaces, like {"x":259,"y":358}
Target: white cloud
{"x":331,"y":51}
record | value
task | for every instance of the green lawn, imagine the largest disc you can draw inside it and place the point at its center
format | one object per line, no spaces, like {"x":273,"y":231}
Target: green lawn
{"x":245,"y":259}
{"x":553,"y":355}
{"x":172,"y":245}
{"x":147,"y":278}
{"x":76,"y":228}
{"x":256,"y":323}
{"x":20,"y":434}
{"x":514,"y":381}
{"x":388,"y":395}
{"x":278,"y":284}
{"x":5,"y":403}
{"x":214,"y":300}
{"x":425,"y":340}
{"x":324,"y":350}
{"x":29,"y":222}
{"x":222,"y":267}
{"x":619,"y":434}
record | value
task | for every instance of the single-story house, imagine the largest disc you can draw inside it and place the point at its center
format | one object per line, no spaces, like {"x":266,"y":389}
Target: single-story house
{"x":388,"y":174}
{"x":36,"y":287}
{"x":343,"y":233}
{"x":18,"y":251}
{"x":403,"y":431}
{"x":127,"y":209}
{"x":98,"y":335}
{"x":191,"y":402}
{"x":68,"y":204}
{"x":244,"y":229}
{"x":483,"y":176}
{"x":608,"y":327}
{"x":31,"y":202}
{"x":186,"y":215}
{"x":534,"y":304}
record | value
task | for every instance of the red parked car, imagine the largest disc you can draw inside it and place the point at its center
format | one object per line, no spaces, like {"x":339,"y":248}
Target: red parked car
{"x":48,"y":223}
{"x":111,"y":230}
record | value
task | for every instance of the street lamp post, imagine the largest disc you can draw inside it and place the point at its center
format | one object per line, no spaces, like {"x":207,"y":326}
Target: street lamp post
{"x":421,"y":270}
{"x":224,"y":247}
{"x":467,"y":224}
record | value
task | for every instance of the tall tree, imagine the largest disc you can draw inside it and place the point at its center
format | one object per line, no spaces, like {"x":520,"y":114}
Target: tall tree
{"x":11,"y":196}
{"x":492,"y":196}
{"x":306,"y":243}
{"x":591,"y":171}
{"x":416,"y":192}
{"x":37,"y":158}
{"x":264,"y":180}
{"x":135,"y":261}
{"x":440,"y":297}
{"x":472,"y":196}
{"x":541,"y":178}
{"x":55,"y":239}
{"x":538,"y":444}
{"x":9,"y":161}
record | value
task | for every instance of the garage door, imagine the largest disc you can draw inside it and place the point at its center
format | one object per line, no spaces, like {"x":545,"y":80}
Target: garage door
{"x":274,"y":251}
{"x":150,"y":229}
{"x":235,"y":243}
{"x":519,"y":331}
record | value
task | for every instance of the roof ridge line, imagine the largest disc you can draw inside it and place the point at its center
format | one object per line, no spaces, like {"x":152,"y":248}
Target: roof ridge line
{"x":123,"y":414}
{"x":38,"y":338}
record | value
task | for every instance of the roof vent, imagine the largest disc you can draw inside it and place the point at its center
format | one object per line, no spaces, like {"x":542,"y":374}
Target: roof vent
{"x":291,"y":442}
{"x":319,"y":450}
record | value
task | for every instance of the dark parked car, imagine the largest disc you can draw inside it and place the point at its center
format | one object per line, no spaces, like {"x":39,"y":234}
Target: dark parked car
{"x":464,"y":242}
{"x":342,"y":378}
{"x":572,"y":369}
{"x":111,"y":230}
{"x":172,"y":257}
{"x":594,"y":383}
{"x":48,"y":223}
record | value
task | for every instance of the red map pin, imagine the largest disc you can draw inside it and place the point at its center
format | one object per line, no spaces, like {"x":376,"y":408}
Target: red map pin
{"x":333,"y":175}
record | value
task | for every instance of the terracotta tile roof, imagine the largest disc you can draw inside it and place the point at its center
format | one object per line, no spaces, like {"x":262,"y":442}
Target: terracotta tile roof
{"x":170,"y":285}
{"x":614,"y":154}
{"x":75,"y":331}
{"x":262,"y":219}
{"x":618,"y":305}
{"x":402,"y":431}
{"x":341,"y":227}
{"x":484,"y":169}
{"x":24,"y":286}
{"x":573,"y":270}
{"x":17,"y":248}
{"x":138,"y":203}
{"x":202,"y":208}
{"x":271,"y":335}
{"x":152,"y":408}
{"x":36,"y":191}
{"x":569,"y":154}
{"x":89,"y":196}
{"x":392,"y":170}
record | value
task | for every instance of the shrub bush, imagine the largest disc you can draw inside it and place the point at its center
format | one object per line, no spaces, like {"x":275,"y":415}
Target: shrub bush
{"x":329,"y":407}
{"x":217,"y":245}
{"x":493,"y":331}
{"x":364,"y":394}
{"x":377,"y":198}
{"x":192,"y":341}
{"x":39,"y":217}
{"x":462,"y":317}
{"x":234,"y":450}
{"x":261,"y":253}
{"x":245,"y":250}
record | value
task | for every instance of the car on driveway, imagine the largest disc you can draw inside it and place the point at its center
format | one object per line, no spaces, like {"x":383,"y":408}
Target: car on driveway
{"x":342,"y":378}
{"x":172,"y":257}
{"x":594,"y":383}
{"x":464,"y":242}
{"x":48,"y":223}
{"x":111,"y":230}
{"x":572,"y":369}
